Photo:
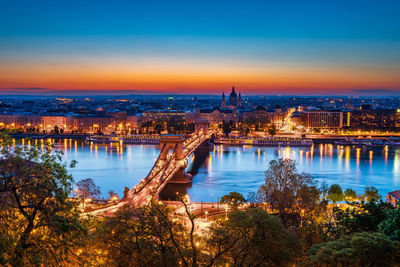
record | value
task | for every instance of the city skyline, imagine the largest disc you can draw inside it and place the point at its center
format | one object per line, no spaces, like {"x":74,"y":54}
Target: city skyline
{"x":129,"y":47}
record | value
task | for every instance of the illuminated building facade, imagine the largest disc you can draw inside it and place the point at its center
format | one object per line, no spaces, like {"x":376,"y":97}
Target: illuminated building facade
{"x":263,"y":117}
{"x":166,"y":115}
{"x":322,"y":119}
{"x":371,"y":119}
{"x":216,"y":116}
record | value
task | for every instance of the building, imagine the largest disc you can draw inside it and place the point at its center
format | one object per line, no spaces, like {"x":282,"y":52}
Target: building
{"x":215,"y":116}
{"x":223,"y":101}
{"x":50,"y":122}
{"x":95,"y":123}
{"x":263,"y":117}
{"x":322,"y":119}
{"x":166,"y":115}
{"x":233,"y":98}
{"x":372,"y":119}
{"x":393,"y":197}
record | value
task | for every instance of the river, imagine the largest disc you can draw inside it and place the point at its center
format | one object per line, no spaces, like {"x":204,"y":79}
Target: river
{"x":231,"y":168}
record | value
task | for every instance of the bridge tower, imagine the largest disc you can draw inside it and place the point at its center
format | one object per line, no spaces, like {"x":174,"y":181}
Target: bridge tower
{"x":174,"y":142}
{"x":171,"y":142}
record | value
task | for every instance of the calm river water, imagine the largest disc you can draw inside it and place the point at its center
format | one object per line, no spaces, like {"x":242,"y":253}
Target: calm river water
{"x":229,"y":168}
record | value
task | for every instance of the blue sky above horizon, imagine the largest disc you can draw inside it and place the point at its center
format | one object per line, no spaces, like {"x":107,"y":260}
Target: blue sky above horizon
{"x":269,"y":47}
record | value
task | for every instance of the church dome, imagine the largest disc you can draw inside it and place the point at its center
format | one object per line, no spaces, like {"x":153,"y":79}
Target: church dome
{"x":233,"y":93}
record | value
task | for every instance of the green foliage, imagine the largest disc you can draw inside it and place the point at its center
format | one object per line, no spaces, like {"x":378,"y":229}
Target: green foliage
{"x":359,"y":249}
{"x":87,"y":189}
{"x":150,"y":235}
{"x":359,"y":217}
{"x":324,"y":188}
{"x":391,"y":225}
{"x":350,"y":195}
{"x":335,"y":193}
{"x":158,"y":128}
{"x":39,"y":224}
{"x":272,"y":130}
{"x":226,"y":128}
{"x":288,"y":192}
{"x":372,"y":194}
{"x":233,"y":200}
{"x":251,"y":238}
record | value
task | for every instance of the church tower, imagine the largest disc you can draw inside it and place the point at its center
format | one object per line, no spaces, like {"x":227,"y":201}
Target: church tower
{"x":223,"y":100}
{"x":239,"y":100}
{"x":233,"y":98}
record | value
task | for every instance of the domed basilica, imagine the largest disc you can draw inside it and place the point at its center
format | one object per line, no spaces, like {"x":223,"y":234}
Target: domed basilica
{"x":233,"y":101}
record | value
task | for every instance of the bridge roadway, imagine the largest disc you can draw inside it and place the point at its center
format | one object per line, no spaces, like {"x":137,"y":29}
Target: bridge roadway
{"x":160,"y":174}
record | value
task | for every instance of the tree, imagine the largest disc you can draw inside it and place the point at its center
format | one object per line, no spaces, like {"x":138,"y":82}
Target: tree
{"x":360,"y":249}
{"x":324,"y":188}
{"x":252,"y":199}
{"x":56,"y":129}
{"x":335,"y":193}
{"x":272,"y":130}
{"x":372,"y":194}
{"x":288,"y":192}
{"x":111,"y":193}
{"x":246,"y":130}
{"x":350,"y":195}
{"x":39,"y":224}
{"x":149,"y":235}
{"x":250,"y":238}
{"x":391,"y":225}
{"x":87,"y":189}
{"x":226,"y":128}
{"x":158,"y":128}
{"x":233,"y":200}
{"x":359,"y":217}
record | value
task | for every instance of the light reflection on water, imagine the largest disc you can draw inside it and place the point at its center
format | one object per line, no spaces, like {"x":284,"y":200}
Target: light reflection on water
{"x":224,"y":169}
{"x":242,"y":168}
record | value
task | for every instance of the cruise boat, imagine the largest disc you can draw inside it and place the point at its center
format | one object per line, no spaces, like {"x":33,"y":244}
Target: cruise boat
{"x":265,"y":141}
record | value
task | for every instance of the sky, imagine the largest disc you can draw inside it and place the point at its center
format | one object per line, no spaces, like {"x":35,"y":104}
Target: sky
{"x":341,"y":47}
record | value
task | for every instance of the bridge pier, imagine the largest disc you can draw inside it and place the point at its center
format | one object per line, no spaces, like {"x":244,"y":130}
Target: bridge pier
{"x":181,"y":177}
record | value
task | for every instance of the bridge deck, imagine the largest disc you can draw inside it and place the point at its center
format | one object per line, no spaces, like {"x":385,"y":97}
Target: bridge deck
{"x":160,"y":174}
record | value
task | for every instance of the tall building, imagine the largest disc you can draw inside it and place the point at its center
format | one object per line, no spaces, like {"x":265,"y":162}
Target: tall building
{"x":240,"y":100}
{"x":223,"y":100}
{"x":372,"y":119}
{"x":322,"y":119}
{"x":233,"y":99}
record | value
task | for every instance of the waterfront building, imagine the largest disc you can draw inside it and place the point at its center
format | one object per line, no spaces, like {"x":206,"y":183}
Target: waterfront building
{"x":374,"y":119}
{"x":263,"y":117}
{"x":42,"y":123}
{"x":133,"y":121}
{"x":322,"y":119}
{"x":166,"y":115}
{"x":215,"y":116}
{"x":50,"y":122}
{"x":393,"y":197}
{"x":95,"y":123}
